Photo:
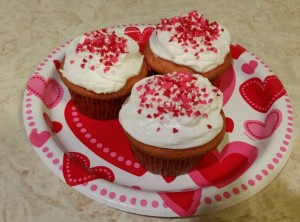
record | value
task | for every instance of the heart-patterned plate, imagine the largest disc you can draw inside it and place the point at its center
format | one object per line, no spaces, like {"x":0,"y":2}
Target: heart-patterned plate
{"x":94,"y":156}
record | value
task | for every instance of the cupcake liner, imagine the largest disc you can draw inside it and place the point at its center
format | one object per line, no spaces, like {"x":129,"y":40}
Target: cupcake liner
{"x":164,"y":166}
{"x":99,"y":109}
{"x":172,"y":162}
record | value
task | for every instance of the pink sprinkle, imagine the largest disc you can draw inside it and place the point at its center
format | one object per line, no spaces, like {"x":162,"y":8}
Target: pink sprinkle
{"x":173,"y":95}
{"x":139,"y":88}
{"x":189,"y":29}
{"x":106,"y":44}
{"x":106,"y":69}
{"x":92,"y":68}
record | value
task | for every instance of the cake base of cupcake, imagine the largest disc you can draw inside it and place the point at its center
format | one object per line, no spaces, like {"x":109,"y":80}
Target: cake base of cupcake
{"x":172,"y":162}
{"x":101,"y":106}
{"x":162,"y":66}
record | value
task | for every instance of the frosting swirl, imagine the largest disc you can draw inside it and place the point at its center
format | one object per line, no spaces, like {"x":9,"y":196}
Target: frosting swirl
{"x":102,"y":61}
{"x":175,"y":111}
{"x":191,"y":41}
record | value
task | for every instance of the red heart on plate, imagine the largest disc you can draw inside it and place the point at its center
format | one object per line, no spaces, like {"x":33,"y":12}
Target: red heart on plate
{"x":236,"y":51}
{"x":57,"y":64}
{"x":229,"y":124}
{"x":140,"y":37}
{"x":49,"y":91}
{"x":220,"y":169}
{"x":53,"y":125}
{"x":261,"y":95}
{"x":169,"y":179}
{"x":183,"y":203}
{"x":249,"y":67}
{"x":76,"y":170}
{"x":105,"y":138}
{"x":261,"y":130}
{"x":226,"y":84}
{"x":39,"y":139}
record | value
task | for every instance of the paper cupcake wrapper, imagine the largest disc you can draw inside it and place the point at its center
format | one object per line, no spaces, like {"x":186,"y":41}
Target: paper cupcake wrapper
{"x":97,"y":108}
{"x":164,"y":167}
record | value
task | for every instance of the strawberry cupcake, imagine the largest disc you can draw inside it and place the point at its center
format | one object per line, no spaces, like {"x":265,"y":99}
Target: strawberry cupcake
{"x":172,"y":120}
{"x":191,"y":44}
{"x":99,"y":69}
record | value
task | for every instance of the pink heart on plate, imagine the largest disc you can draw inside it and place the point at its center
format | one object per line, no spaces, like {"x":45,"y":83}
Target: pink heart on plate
{"x":262,"y":130}
{"x":50,"y":91}
{"x":183,"y":203}
{"x":220,"y":169}
{"x":39,"y":139}
{"x":250,"y":67}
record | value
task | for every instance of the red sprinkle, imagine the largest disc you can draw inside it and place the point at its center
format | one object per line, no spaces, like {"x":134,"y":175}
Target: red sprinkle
{"x":192,"y":30}
{"x":209,"y":126}
{"x":173,"y":95}
{"x":139,"y":87}
{"x":106,"y":44}
{"x":175,"y":130}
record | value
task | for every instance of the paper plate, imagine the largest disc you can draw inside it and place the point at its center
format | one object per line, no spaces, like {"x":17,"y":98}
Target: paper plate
{"x":95,"y":159}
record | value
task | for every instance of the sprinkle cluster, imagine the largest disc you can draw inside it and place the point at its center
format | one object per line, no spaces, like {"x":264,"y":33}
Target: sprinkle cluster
{"x":192,"y":31}
{"x":173,"y":95}
{"x":105,"y":44}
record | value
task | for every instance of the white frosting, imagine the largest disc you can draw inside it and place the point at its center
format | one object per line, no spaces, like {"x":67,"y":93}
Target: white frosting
{"x":173,"y":51}
{"x":98,"y":81}
{"x":192,"y":131}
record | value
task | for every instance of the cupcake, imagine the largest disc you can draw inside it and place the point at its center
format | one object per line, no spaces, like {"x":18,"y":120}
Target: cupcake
{"x":99,"y":69}
{"x":191,"y":44}
{"x":172,"y":120}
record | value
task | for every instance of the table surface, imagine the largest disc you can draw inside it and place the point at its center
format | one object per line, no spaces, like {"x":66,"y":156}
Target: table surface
{"x":29,"y":30}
